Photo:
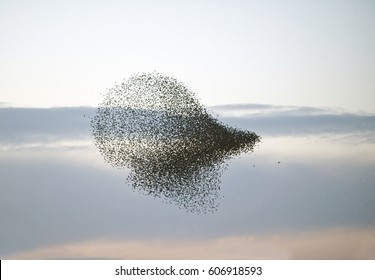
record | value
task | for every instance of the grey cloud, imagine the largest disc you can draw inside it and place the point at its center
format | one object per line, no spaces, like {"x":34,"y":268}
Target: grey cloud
{"x":284,"y":120}
{"x":241,"y":106}
{"x":304,"y":125}
{"x":19,"y":125}
{"x":35,"y":124}
{"x":259,"y":109}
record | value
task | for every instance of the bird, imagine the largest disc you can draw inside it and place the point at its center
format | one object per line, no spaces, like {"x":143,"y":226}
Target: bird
{"x":175,"y":149}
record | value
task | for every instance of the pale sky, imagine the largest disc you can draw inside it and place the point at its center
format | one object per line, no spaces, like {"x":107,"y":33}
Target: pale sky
{"x":304,"y":53}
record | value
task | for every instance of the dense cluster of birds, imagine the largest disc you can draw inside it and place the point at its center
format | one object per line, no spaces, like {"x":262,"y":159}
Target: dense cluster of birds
{"x":155,"y":126}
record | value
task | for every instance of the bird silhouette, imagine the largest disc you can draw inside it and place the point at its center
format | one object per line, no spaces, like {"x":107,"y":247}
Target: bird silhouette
{"x":154,"y":125}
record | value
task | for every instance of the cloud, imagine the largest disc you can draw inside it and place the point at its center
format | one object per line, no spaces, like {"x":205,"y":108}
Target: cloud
{"x":292,"y":120}
{"x":20,"y":125}
{"x":252,"y":109}
{"x":325,"y":244}
{"x":263,"y":109}
{"x":40,"y":126}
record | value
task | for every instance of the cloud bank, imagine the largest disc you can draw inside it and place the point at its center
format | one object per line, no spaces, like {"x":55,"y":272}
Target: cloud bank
{"x":20,"y":125}
{"x":284,"y":120}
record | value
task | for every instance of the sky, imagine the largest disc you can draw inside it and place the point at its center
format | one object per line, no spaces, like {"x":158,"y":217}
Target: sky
{"x":296,"y":53}
{"x":298,"y":73}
